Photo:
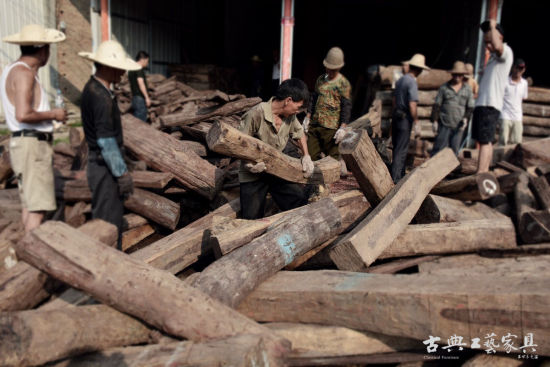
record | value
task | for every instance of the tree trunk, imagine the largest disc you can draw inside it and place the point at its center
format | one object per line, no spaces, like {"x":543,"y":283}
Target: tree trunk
{"x":164,"y":153}
{"x":476,"y":187}
{"x":375,"y":233}
{"x":235,"y":275}
{"x":227,"y":140}
{"x":363,"y":160}
{"x":133,"y":287}
{"x":414,"y":306}
{"x":456,"y":237}
{"x":37,"y":337}
{"x":238,"y":351}
{"x":155,"y":207}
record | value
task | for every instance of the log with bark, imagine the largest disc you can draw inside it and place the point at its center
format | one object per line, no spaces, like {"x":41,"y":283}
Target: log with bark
{"x":155,"y":207}
{"x":412,"y":306}
{"x":151,"y":179}
{"x":227,"y":140}
{"x":164,"y":153}
{"x":234,"y":276}
{"x":534,"y":109}
{"x":381,"y":227}
{"x":538,"y":95}
{"x":133,"y":287}
{"x":476,"y":187}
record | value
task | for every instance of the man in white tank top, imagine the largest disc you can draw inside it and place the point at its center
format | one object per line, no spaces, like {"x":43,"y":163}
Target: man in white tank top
{"x":29,"y":118}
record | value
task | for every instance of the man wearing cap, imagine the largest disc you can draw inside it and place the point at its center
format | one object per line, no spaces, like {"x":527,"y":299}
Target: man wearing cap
{"x":511,"y":123}
{"x":404,"y":115}
{"x":29,"y":118}
{"x":274,"y":122}
{"x":330,"y":108}
{"x":491,"y":92}
{"x":471,"y":80}
{"x":108,"y":176}
{"x":452,"y":110}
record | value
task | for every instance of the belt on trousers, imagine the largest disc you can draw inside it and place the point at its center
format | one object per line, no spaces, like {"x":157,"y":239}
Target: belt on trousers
{"x":34,"y":134}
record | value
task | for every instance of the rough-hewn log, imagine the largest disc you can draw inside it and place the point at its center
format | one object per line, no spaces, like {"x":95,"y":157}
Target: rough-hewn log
{"x":452,"y":210}
{"x":533,"y":109}
{"x":36,"y":337}
{"x":534,"y":226}
{"x":155,"y":207}
{"x":133,"y":287}
{"x":476,"y":187}
{"x":240,"y":105}
{"x":407,"y":305}
{"x":372,"y":120}
{"x":227,"y":140}
{"x":164,"y":153}
{"x":133,"y":236}
{"x":541,"y":189}
{"x":536,"y":121}
{"x":234,"y":276}
{"x":531,"y":153}
{"x":381,"y":227}
{"x":523,"y":197}
{"x":198,"y":131}
{"x":238,"y":351}
{"x":394,"y":266}
{"x":508,"y":182}
{"x":455,"y":237}
{"x":150,"y":179}
{"x":538,"y":95}
{"x":363,"y":160}
{"x":530,"y":130}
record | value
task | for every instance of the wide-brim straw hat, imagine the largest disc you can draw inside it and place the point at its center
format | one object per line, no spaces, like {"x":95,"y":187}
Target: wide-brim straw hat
{"x":334,"y":58}
{"x":35,"y":35}
{"x":111,"y":53}
{"x":419,"y":61}
{"x":469,"y":70}
{"x":459,"y":68}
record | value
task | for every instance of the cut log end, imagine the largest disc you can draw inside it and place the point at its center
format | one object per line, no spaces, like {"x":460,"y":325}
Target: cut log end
{"x":348,"y":145}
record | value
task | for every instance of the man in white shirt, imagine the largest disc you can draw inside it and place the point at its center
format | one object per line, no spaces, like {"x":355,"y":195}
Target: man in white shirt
{"x":491,"y":92}
{"x":511,"y":125}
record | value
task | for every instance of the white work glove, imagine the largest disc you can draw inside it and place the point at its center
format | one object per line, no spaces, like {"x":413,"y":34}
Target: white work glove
{"x":435,"y":127}
{"x":255,"y":167}
{"x":307,"y":166}
{"x":417,"y":129}
{"x":463,"y":124}
{"x":305,"y":124}
{"x":340,"y":134}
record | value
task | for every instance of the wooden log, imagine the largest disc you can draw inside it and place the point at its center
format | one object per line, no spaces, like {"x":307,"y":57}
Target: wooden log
{"x":455,"y":237}
{"x":363,"y":160}
{"x":508,"y":182}
{"x":538,"y":95}
{"x":133,"y":287}
{"x":227,"y":140}
{"x":534,"y":226}
{"x":5,"y":166}
{"x":74,"y":215}
{"x":241,"y":105}
{"x":530,"y":130}
{"x":164,"y":87}
{"x":198,"y":131}
{"x":407,"y":305}
{"x":380,"y":228}
{"x":154,"y":207}
{"x":130,"y":221}
{"x":452,"y":210}
{"x":483,"y":360}
{"x":536,"y":121}
{"x":533,"y":109}
{"x":231,"y":278}
{"x":399,"y":264}
{"x":151,"y":179}
{"x":476,"y":187}
{"x":133,"y":236}
{"x":523,"y":197}
{"x":510,"y":167}
{"x":429,"y":79}
{"x":238,"y":351}
{"x":23,"y":286}
{"x":541,"y":189}
{"x":531,"y":153}
{"x":164,"y":153}
{"x":371,"y":120}
{"x":36,"y":337}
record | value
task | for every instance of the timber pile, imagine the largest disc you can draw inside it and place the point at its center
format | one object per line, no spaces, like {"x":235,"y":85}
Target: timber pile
{"x":382,"y":266}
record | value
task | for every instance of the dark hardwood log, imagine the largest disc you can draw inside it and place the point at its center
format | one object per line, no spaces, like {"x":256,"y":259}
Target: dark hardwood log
{"x":476,"y":187}
{"x":531,"y":153}
{"x":510,"y":167}
{"x":363,"y":160}
{"x":508,"y":182}
{"x":407,"y":305}
{"x":241,"y":105}
{"x":455,"y":237}
{"x":239,"y":351}
{"x":381,"y":227}
{"x":199,"y":130}
{"x":234,"y":276}
{"x":133,"y":287}
{"x":534,"y":226}
{"x":227,"y":140}
{"x":541,"y":189}
{"x":523,"y":197}
{"x":164,"y":153}
{"x":36,"y":337}
{"x":154,"y":207}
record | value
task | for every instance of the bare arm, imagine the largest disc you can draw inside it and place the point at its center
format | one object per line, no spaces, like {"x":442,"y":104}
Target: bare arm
{"x":302,"y":143}
{"x":496,"y":38}
{"x":143,"y":89}
{"x":412,"y":107}
{"x":23,"y":100}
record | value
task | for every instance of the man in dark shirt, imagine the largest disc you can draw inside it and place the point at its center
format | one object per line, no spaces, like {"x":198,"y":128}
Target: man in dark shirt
{"x":108,"y":176}
{"x":138,"y":85}
{"x":404,"y":114}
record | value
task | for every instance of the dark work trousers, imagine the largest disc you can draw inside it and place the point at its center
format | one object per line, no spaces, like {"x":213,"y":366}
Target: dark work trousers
{"x":447,"y":137}
{"x":106,"y":202}
{"x":321,"y":140}
{"x":287,"y":195}
{"x":139,"y":108}
{"x":401,"y":135}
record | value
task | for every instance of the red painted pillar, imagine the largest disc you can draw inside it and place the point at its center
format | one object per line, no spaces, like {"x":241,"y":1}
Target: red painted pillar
{"x":105,"y":34}
{"x":287,"y":35}
{"x":492,"y":12}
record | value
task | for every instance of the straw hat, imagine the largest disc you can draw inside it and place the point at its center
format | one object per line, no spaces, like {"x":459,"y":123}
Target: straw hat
{"x":419,"y":61}
{"x":459,"y":68}
{"x":111,"y":53}
{"x":35,"y":35}
{"x":334,"y":58}
{"x":469,"y":70}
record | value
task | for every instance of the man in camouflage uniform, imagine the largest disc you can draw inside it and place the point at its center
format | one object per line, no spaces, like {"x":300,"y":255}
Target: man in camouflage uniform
{"x":330,"y":108}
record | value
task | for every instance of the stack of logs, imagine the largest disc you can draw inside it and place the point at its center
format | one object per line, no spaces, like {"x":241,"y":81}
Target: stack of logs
{"x":225,"y":291}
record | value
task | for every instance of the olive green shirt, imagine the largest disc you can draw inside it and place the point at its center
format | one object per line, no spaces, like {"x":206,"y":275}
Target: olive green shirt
{"x":260,"y":123}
